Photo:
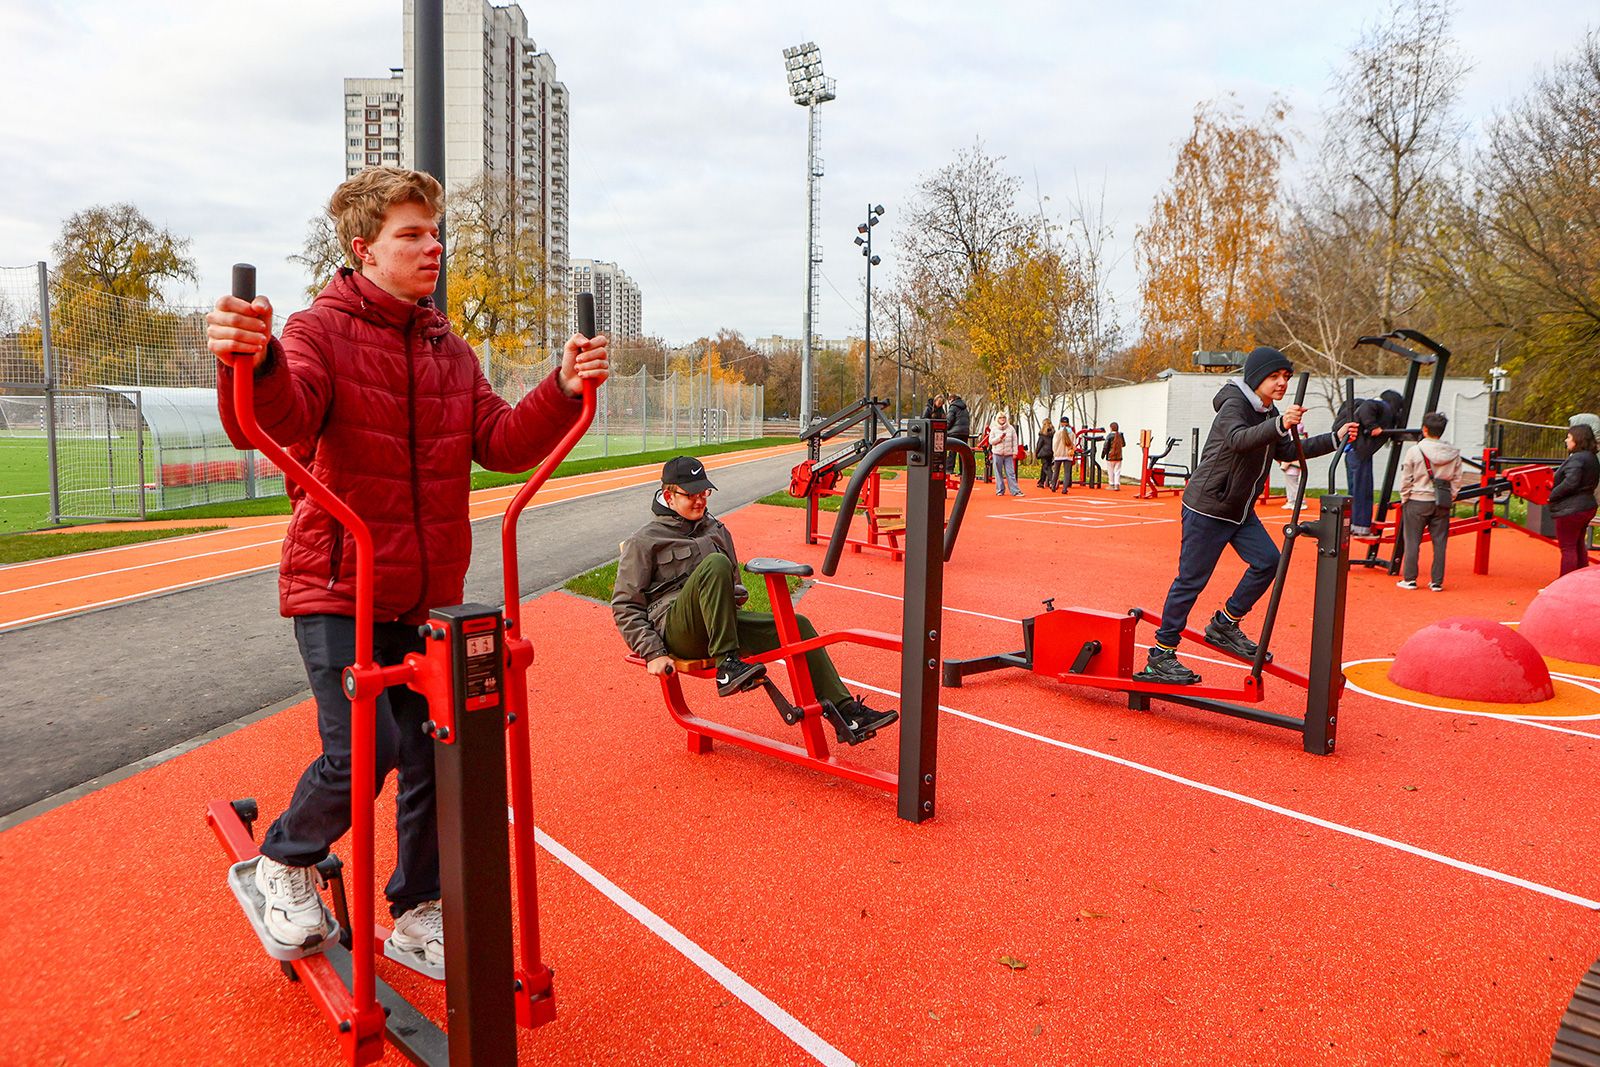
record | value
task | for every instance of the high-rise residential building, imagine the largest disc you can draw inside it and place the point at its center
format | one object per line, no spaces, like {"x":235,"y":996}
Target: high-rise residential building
{"x":505,"y":114}
{"x":372,"y":122}
{"x":618,"y":307}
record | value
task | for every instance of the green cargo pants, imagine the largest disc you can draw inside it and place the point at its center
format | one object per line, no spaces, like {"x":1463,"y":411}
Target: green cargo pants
{"x":704,"y":623}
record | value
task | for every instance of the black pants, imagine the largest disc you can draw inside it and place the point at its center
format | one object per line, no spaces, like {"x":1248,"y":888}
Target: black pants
{"x":1204,"y":538}
{"x":1047,"y":470}
{"x":952,"y":459}
{"x":1569,"y":535}
{"x":319,"y":814}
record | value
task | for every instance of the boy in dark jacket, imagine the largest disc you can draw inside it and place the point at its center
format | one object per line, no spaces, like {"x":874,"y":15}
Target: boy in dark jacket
{"x":390,"y":408}
{"x":1219,"y":508}
{"x":674,"y":597}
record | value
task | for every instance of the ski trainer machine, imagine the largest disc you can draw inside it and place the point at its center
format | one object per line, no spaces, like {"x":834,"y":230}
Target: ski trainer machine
{"x":473,"y":674}
{"x":1082,"y":646}
{"x":1155,"y":477}
{"x":929,"y":543}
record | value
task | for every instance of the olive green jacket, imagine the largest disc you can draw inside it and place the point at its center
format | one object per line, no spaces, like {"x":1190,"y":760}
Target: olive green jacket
{"x":656,"y":562}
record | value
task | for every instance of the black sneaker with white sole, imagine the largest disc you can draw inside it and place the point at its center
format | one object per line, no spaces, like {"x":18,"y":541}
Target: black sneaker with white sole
{"x":1163,"y":667}
{"x":734,"y":675}
{"x":1225,"y":634}
{"x":854,"y":722}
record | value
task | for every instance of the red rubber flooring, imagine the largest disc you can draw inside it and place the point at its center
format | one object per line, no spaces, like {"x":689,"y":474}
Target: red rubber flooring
{"x":1168,"y":887}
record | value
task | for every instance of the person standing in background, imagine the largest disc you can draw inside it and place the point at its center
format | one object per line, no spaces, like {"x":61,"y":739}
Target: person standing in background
{"x":1044,"y":448}
{"x":1063,"y":445}
{"x":1572,"y":497}
{"x":1430,"y":478}
{"x":1115,"y":443}
{"x":1003,"y":443}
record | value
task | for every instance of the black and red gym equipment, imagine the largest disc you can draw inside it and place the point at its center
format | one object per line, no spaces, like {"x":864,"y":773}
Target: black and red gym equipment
{"x":929,"y":544}
{"x":473,"y":674}
{"x":1156,"y":476}
{"x":1083,"y":646}
{"x":816,"y":477}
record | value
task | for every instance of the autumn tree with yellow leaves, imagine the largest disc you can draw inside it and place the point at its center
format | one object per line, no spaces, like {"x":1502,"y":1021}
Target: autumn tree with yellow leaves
{"x":1210,"y":251}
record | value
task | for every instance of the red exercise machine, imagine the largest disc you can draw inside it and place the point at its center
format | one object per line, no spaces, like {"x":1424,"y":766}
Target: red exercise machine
{"x":1083,"y":646}
{"x":929,"y":543}
{"x":473,"y":673}
{"x":1156,"y":477}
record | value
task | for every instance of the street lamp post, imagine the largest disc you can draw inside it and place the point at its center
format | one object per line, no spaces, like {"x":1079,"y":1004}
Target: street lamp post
{"x":864,"y":239}
{"x":809,"y":89}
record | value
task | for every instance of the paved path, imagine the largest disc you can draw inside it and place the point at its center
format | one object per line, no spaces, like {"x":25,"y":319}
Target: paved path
{"x":83,"y":695}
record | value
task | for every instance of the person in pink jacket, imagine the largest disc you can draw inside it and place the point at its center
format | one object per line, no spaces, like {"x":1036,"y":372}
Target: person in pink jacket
{"x":389,"y":408}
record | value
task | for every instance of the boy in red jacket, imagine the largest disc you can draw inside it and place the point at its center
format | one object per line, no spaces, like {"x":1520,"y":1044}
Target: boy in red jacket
{"x":391,"y":408}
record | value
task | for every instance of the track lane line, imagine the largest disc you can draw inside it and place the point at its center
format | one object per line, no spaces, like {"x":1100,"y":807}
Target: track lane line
{"x":719,"y":972}
{"x":1264,"y":805}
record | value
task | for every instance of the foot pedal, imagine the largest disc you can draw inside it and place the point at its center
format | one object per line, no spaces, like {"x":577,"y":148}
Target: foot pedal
{"x":242,"y":880}
{"x":791,"y":714}
{"x":415,"y":960}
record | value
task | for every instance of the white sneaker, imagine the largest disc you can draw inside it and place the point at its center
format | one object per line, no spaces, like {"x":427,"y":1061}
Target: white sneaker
{"x":419,"y":933}
{"x":1437,"y":587}
{"x":294,"y":914}
{"x":1403,"y":584}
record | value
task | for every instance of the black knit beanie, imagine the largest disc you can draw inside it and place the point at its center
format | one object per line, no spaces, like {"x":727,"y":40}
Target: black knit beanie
{"x":1263,"y":362}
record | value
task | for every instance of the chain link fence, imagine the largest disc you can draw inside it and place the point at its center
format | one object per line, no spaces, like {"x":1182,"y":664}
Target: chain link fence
{"x":108,"y":407}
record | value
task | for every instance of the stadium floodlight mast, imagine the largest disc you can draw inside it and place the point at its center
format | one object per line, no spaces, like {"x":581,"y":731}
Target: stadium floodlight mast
{"x":810,"y":89}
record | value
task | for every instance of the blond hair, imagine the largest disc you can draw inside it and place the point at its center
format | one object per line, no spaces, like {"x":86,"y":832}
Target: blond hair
{"x":360,"y":203}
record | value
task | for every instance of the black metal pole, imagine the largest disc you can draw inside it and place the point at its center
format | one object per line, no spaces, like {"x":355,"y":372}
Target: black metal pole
{"x":427,"y":26}
{"x":866,"y":385}
{"x":474,"y":855}
{"x":1326,"y":678}
{"x":920,"y":621}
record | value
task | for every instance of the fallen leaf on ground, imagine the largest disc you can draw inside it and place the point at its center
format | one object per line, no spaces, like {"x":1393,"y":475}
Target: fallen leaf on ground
{"x":1014,"y":963}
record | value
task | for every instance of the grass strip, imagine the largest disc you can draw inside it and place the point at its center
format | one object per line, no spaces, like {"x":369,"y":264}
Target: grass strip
{"x":601,"y":582}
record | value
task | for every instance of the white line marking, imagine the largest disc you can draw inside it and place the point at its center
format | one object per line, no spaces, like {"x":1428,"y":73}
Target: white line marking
{"x":243,"y":528}
{"x":140,"y":566}
{"x":1276,"y":809}
{"x":80,"y":609}
{"x":718,"y":971}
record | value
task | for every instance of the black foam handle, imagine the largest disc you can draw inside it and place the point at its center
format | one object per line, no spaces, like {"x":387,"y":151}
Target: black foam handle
{"x":244,"y":281}
{"x":1300,"y":389}
{"x":586,"y":314}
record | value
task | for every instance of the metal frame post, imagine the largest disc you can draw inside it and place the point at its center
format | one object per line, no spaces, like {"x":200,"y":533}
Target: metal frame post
{"x":474,"y":861}
{"x":920,"y":622}
{"x":427,"y":25}
{"x":1326,"y":675}
{"x":48,"y":354}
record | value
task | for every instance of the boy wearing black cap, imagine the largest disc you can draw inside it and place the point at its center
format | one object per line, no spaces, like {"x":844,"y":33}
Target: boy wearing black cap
{"x":675,"y":597}
{"x":1218,"y":508}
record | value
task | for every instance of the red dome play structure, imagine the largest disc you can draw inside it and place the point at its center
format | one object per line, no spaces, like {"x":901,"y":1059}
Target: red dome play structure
{"x":1472,"y":659}
{"x":1564,"y":619}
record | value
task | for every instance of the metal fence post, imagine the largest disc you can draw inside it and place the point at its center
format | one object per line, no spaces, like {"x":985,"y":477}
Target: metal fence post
{"x":49,"y":393}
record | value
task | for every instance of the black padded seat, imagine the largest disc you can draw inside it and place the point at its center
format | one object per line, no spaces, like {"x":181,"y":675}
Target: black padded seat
{"x":767,"y":565}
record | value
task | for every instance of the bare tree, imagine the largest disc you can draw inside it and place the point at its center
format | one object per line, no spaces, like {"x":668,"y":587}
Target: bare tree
{"x":1393,"y":132}
{"x":322,"y":255}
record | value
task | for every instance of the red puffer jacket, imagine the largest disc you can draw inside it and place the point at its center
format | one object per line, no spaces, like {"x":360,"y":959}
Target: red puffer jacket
{"x":391,"y":408}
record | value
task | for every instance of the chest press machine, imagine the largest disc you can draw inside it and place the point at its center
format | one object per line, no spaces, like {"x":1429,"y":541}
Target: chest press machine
{"x":473,"y":674}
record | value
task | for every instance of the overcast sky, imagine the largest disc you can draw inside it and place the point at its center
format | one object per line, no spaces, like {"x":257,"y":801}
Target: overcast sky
{"x":223,"y":121}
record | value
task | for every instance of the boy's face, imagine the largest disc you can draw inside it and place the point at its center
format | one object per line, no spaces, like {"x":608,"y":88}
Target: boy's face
{"x":1274,"y":386}
{"x":403,"y":260}
{"x":691,"y":506}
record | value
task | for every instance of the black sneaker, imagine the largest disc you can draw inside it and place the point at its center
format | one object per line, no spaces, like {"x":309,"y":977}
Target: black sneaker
{"x":734,"y":675}
{"x":1163,"y":666}
{"x":854,"y":722}
{"x":1225,"y":634}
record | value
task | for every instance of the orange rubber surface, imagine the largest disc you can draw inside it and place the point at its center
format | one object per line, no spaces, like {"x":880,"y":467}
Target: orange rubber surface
{"x":1168,"y":887}
{"x":64,"y":585}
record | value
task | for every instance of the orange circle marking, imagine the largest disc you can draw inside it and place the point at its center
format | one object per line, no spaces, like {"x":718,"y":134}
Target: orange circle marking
{"x":1573,"y":699}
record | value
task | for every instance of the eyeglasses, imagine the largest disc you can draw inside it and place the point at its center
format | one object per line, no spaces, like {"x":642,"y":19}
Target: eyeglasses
{"x":701,"y":495}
